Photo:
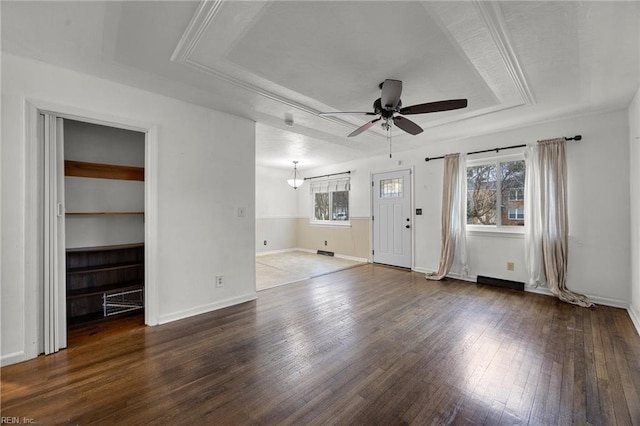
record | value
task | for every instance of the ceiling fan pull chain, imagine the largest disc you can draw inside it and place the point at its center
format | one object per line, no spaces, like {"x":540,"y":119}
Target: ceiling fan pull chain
{"x":389,"y":139}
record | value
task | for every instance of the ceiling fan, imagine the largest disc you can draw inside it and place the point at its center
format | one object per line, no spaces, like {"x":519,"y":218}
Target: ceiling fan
{"x":389,"y":108}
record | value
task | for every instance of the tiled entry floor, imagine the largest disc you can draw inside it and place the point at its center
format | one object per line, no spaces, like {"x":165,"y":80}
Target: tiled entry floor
{"x":273,"y":270}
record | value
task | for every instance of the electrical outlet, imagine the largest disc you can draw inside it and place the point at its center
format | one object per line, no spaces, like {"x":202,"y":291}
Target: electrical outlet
{"x":219,"y":280}
{"x":265,"y":242}
{"x":325,"y":242}
{"x":510,"y":266}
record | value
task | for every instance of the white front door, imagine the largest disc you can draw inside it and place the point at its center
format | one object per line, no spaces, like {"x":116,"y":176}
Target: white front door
{"x":392,"y":218}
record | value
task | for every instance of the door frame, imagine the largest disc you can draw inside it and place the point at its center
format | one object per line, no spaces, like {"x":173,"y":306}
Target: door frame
{"x":411,"y":170}
{"x":34,"y":261}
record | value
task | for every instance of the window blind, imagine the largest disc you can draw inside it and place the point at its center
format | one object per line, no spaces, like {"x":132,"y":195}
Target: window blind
{"x":342,"y":184}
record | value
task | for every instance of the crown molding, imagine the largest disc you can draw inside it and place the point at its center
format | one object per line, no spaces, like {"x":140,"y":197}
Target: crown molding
{"x":200,"y":21}
{"x":492,"y":16}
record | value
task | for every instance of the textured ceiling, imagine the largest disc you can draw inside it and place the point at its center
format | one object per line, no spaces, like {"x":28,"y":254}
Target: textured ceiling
{"x":516,"y":62}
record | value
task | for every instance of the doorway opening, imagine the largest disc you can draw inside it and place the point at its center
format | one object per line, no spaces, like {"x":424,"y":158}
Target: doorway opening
{"x":91,"y":193}
{"x":104,"y":222}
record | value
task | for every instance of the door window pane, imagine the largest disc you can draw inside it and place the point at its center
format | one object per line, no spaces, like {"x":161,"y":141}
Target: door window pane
{"x":391,"y":188}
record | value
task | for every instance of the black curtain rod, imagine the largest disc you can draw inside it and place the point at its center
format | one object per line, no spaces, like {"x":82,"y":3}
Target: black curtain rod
{"x":575,"y":138}
{"x":332,"y":174}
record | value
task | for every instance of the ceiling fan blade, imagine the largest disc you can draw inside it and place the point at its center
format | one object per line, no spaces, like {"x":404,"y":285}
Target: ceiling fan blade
{"x":407,"y":125}
{"x":391,"y":91}
{"x":362,"y":128}
{"x":434,"y":106}
{"x":325,"y":114}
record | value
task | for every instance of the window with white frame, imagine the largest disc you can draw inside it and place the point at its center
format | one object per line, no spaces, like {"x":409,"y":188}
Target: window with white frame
{"x":516,"y":214}
{"x":495,"y":192}
{"x":516,"y":194}
{"x":331,"y":201}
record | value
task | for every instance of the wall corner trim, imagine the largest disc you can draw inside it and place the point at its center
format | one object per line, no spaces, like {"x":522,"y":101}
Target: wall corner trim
{"x":635,"y":318}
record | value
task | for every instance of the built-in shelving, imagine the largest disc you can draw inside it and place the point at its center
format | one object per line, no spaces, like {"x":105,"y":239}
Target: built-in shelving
{"x":102,"y":171}
{"x":104,"y":282}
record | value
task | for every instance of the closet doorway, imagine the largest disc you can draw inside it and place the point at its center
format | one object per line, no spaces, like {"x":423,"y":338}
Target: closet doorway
{"x":93,"y":225}
{"x":104,"y":222}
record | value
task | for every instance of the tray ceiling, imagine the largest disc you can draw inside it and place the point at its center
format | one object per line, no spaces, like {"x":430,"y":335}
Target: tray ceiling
{"x":516,"y":62}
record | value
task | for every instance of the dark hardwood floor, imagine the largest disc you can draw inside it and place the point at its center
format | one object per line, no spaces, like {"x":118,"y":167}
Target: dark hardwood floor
{"x":368,"y":345}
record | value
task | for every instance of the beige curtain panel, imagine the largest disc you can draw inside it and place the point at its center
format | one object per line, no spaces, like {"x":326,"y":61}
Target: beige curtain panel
{"x":552,"y":167}
{"x":453,"y":220}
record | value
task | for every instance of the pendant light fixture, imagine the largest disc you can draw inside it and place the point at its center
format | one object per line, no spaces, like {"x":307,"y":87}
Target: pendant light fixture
{"x":295,"y":180}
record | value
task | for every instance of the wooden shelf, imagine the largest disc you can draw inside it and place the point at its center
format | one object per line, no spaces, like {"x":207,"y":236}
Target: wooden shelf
{"x":102,"y":213}
{"x":106,"y":248}
{"x":100,"y":290}
{"x":95,"y":274}
{"x":102,"y":171}
{"x":101,"y":268}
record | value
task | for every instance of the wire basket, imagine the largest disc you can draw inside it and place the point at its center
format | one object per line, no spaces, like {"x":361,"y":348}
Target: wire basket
{"x":121,"y":302}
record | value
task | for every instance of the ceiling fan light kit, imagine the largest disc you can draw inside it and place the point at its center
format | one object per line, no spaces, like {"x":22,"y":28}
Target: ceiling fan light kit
{"x":389,"y":109}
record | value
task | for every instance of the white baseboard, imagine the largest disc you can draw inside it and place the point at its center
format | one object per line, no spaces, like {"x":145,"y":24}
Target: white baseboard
{"x":538,"y":290}
{"x":453,"y":275}
{"x":635,"y":318}
{"x":355,"y":259}
{"x":12,"y":358}
{"x":341,"y":256}
{"x":615,"y":303}
{"x":163,"y":319}
{"x":306,"y":250}
{"x":598,"y":300}
{"x":264,"y":253}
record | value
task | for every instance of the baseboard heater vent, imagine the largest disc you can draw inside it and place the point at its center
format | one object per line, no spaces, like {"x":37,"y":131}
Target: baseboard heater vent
{"x":515,"y":285}
{"x":325,"y":253}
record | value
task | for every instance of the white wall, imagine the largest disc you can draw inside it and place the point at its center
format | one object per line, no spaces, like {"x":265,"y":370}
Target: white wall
{"x":598,"y":201}
{"x":276,"y":210}
{"x":205,"y":172}
{"x":634,"y":165}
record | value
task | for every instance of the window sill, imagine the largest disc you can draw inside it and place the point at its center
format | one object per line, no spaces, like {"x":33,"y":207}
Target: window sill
{"x":499,"y":232}
{"x":339,"y":224}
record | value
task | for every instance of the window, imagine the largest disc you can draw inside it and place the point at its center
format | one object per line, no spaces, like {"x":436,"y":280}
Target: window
{"x":495,"y":193}
{"x":331,"y":201}
{"x":516,"y":214}
{"x":391,"y":188}
{"x":516,"y":194}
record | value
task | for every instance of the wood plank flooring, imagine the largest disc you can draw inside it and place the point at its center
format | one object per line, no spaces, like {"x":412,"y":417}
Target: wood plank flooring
{"x":368,"y":345}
